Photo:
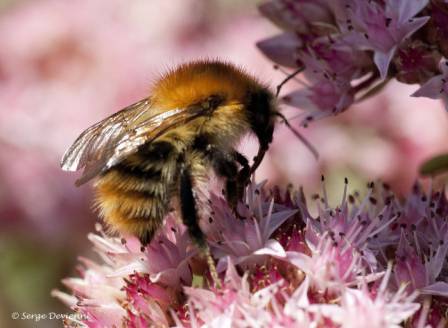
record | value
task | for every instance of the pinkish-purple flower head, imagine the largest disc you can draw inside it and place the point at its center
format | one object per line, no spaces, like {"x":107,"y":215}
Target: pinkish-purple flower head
{"x":437,"y":86}
{"x":349,"y":49}
{"x":281,"y":261}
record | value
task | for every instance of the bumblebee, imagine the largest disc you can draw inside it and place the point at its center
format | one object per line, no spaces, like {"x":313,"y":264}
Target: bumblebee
{"x":162,"y":147}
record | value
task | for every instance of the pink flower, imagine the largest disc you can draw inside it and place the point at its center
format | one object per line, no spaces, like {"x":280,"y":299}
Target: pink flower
{"x":382,"y":25}
{"x":364,"y":308}
{"x":330,"y":268}
{"x":133,"y":282}
{"x":279,"y":265}
{"x":147,"y":302}
{"x":346,"y":48}
{"x":246,"y":242}
{"x":438,"y":25}
{"x":282,"y":49}
{"x":437,"y":86}
{"x":96,"y":295}
{"x":322,"y":99}
{"x":165,"y":259}
{"x":416,"y":62}
{"x":234,"y":303}
{"x":421,"y":274}
{"x":303,"y":16}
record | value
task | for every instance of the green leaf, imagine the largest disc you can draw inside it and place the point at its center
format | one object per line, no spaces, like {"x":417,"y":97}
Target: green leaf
{"x":435,"y":165}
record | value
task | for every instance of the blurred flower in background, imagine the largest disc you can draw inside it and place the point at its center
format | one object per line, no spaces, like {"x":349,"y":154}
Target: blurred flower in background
{"x":65,"y":65}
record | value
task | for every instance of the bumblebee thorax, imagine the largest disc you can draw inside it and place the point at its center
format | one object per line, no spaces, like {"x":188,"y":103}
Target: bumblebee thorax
{"x":195,"y":82}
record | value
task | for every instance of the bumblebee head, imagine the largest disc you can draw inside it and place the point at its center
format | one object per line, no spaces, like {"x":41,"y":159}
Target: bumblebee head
{"x":215,"y":84}
{"x":261,"y":110}
{"x":261,"y":106}
{"x":201,"y":82}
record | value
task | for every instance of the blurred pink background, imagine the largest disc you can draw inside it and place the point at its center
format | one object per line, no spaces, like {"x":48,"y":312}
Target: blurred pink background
{"x":64,"y":65}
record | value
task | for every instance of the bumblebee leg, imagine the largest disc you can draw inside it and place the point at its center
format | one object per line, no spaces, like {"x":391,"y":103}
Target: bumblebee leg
{"x":258,"y":159}
{"x":190,"y":219}
{"x":243,"y":175}
{"x":242,"y":160}
{"x":236,"y":180}
{"x":188,"y":208}
{"x":225,"y":165}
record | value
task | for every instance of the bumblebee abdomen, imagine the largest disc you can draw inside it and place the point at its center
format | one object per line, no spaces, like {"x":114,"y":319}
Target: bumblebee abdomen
{"x":134,"y":195}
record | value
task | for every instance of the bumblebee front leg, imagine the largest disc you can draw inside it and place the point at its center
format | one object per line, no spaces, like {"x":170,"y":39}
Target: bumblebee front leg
{"x":236,"y":180}
{"x":225,"y":165}
{"x":243,"y":175}
{"x":258,"y":159}
{"x":191,"y":220}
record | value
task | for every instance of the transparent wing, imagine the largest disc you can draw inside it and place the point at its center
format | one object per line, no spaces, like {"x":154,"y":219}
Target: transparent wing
{"x":109,"y":141}
{"x":94,"y":141}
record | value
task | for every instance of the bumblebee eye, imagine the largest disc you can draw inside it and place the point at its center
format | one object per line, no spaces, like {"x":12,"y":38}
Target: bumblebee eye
{"x":215,"y":100}
{"x":212,"y":102}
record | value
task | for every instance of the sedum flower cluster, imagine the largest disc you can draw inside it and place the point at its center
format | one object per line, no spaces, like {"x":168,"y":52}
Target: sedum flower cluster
{"x":349,"y":49}
{"x":284,"y":260}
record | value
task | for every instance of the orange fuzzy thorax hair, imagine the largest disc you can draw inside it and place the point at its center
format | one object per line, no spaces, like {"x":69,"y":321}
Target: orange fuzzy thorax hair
{"x":193,"y":82}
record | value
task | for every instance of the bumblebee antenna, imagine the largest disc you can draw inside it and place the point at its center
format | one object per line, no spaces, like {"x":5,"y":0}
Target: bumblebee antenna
{"x":289,"y":77}
{"x":307,"y":144}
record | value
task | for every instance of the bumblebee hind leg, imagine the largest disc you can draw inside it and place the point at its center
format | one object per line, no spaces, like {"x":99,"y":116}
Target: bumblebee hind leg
{"x":191,"y":220}
{"x":243,"y":177}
